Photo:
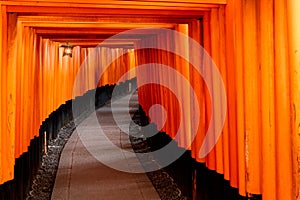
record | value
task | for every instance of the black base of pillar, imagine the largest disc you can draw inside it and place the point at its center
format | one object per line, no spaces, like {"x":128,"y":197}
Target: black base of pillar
{"x":27,"y":165}
{"x":194,"y":179}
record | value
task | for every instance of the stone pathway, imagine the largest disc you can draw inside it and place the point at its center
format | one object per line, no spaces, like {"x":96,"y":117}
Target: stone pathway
{"x":81,"y":176}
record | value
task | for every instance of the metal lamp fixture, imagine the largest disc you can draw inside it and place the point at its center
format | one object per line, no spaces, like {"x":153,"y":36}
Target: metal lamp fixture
{"x":68,"y":48}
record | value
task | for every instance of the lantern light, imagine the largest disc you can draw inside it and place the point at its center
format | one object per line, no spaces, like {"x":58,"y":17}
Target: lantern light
{"x":68,"y":48}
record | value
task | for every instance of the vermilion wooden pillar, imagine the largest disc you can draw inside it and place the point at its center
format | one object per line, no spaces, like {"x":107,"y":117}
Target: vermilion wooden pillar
{"x":293,"y":7}
{"x":254,"y":45}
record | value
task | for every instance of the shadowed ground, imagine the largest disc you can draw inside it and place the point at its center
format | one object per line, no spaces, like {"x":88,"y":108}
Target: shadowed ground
{"x":81,"y":176}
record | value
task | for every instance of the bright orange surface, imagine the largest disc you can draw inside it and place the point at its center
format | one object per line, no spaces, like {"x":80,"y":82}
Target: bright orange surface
{"x":255,"y":45}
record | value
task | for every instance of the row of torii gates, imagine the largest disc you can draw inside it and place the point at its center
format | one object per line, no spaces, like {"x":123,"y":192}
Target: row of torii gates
{"x":229,"y":68}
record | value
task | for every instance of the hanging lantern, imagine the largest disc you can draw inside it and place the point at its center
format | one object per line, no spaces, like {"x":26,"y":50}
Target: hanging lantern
{"x":68,"y":49}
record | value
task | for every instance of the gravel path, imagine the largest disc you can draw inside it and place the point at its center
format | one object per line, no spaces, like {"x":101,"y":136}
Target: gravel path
{"x":42,"y":186}
{"x":161,"y":180}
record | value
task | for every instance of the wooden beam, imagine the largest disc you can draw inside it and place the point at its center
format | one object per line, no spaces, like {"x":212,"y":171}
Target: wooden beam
{"x":91,"y":31}
{"x":75,"y":40}
{"x":106,"y":10}
{"x":133,"y":2}
{"x":96,"y":25}
{"x":108,"y":19}
{"x":96,"y":44}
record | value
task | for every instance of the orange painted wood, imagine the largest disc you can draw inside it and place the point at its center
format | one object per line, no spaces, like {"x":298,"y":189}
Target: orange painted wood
{"x":210,"y":99}
{"x":294,"y":57}
{"x":11,"y":77}
{"x":195,"y":31}
{"x":136,"y":2}
{"x":2,"y":178}
{"x":282,"y":105}
{"x":266,"y":41}
{"x":182,"y":66}
{"x":137,"y":6}
{"x":251,"y":100}
{"x":223,"y":71}
{"x":6,"y":169}
{"x":254,"y":44}
{"x":240,"y":152}
{"x":216,"y":57}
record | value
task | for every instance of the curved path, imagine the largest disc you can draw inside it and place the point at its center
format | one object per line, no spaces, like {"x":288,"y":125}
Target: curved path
{"x":81,"y":176}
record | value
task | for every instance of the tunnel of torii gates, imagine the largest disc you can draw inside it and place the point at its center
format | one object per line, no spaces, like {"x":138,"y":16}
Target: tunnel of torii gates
{"x":254,"y":44}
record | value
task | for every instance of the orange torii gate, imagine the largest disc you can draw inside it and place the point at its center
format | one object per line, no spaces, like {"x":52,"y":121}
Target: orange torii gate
{"x":254,"y":44}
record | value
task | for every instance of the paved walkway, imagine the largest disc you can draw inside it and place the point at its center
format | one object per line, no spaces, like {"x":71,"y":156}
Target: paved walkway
{"x":81,"y":176}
